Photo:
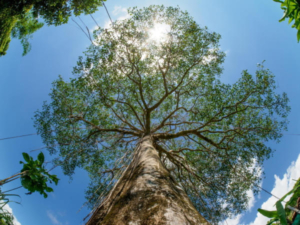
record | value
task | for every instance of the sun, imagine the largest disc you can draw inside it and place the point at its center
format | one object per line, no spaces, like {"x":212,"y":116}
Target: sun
{"x":159,"y":32}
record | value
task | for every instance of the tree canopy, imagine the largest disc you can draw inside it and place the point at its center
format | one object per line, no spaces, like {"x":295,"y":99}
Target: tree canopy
{"x":18,"y":27}
{"x":135,"y":81}
{"x":20,"y":17}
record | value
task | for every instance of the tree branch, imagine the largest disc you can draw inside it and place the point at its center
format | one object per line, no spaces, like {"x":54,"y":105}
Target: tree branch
{"x":117,"y":130}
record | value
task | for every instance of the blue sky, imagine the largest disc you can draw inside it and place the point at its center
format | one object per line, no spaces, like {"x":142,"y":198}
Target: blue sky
{"x":250,"y":34}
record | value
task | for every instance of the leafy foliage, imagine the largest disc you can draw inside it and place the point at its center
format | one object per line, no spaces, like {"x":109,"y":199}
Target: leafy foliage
{"x":291,"y":10}
{"x":282,"y":213}
{"x":23,"y":30}
{"x":21,"y":27}
{"x":269,"y":214}
{"x":54,"y":12}
{"x":210,"y":135}
{"x":6,"y":26}
{"x":36,"y":176}
{"x":19,"y":18}
{"x":297,"y":220}
{"x":33,"y":177}
{"x":6,"y":218}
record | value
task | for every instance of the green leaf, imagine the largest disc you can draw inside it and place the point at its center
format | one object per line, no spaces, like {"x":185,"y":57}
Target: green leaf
{"x":32,"y":177}
{"x":297,"y":220}
{"x":39,"y":189}
{"x":55,"y":180}
{"x":49,"y":189}
{"x":281,"y":213}
{"x":290,"y":192}
{"x":278,"y":1}
{"x":41,"y":158}
{"x":26,"y":157}
{"x":26,"y":182}
{"x":45,"y":195}
{"x":284,"y":16}
{"x":298,"y":36}
{"x":26,"y":167}
{"x":269,"y":214}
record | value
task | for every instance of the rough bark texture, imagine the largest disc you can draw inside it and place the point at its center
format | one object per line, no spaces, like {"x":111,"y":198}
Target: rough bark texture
{"x":146,"y":194}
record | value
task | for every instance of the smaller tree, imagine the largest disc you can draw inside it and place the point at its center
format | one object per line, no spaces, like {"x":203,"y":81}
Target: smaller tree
{"x":34,"y":177}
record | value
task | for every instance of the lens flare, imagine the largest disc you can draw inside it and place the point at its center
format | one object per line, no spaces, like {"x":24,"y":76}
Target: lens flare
{"x":159,"y":32}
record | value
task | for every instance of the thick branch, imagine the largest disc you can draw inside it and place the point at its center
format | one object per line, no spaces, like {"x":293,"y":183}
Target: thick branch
{"x":117,"y":130}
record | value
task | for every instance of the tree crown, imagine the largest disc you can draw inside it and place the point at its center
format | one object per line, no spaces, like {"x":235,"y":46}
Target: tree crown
{"x":53,"y":12}
{"x":210,"y":135}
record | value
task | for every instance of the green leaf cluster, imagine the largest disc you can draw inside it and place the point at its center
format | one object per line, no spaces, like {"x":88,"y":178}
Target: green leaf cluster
{"x":36,"y":176}
{"x":6,"y":218}
{"x":54,"y":12}
{"x":281,"y":214}
{"x":33,"y":176}
{"x":291,"y":10}
{"x":19,"y":18}
{"x":20,"y":26}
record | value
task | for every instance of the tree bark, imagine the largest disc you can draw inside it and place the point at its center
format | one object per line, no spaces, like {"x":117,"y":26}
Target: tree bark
{"x":146,"y":194}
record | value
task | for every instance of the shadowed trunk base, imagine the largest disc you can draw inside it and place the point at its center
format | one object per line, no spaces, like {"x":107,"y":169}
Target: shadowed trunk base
{"x":146,"y":194}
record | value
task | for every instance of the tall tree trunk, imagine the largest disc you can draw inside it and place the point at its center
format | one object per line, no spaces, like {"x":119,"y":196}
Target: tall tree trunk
{"x":146,"y":194}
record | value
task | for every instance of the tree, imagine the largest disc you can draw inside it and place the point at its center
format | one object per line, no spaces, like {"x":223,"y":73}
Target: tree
{"x":20,"y":17}
{"x":149,"y":119}
{"x":291,"y":10}
{"x":34,"y":176}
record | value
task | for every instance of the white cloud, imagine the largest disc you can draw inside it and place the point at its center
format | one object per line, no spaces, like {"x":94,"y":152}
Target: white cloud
{"x":236,"y":220}
{"x":53,"y":218}
{"x":94,"y":28}
{"x":251,"y":199}
{"x":207,"y":59}
{"x":7,"y":208}
{"x":281,"y":187}
{"x":233,"y":221}
{"x":119,"y":12}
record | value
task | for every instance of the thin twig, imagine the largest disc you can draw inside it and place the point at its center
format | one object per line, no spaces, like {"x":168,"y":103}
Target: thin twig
{"x":107,"y":12}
